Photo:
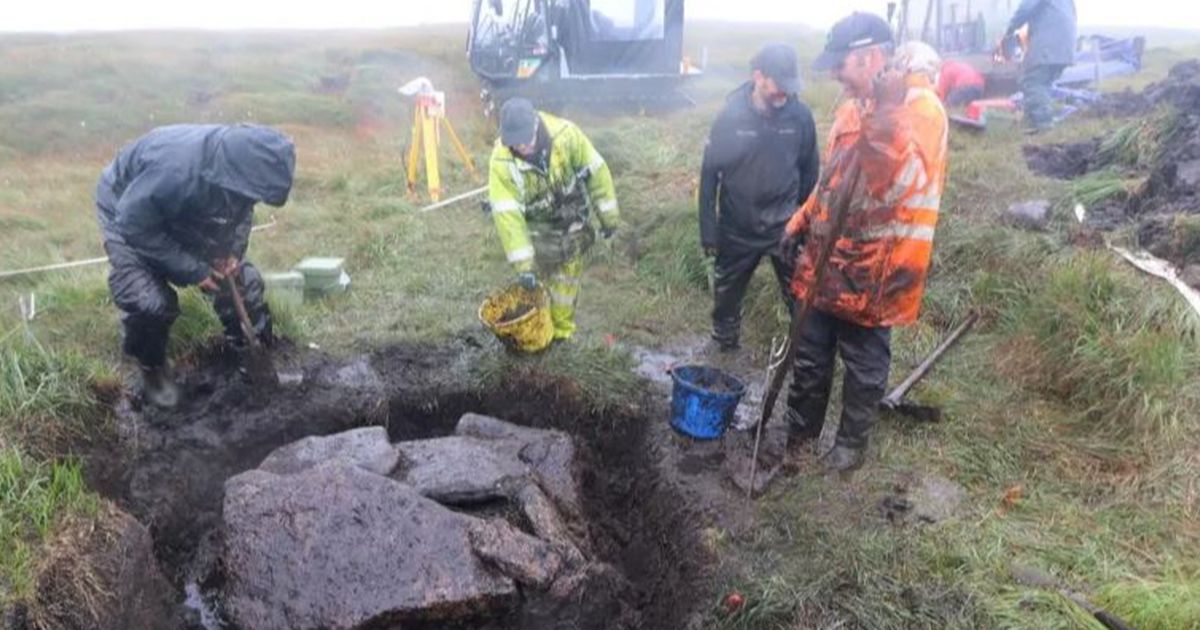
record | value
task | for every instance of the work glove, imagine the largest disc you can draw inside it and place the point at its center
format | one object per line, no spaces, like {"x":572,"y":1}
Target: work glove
{"x":790,"y":246}
{"x":527,"y":280}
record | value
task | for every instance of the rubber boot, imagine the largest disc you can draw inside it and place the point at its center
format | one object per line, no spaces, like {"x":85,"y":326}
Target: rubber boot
{"x":159,"y":388}
{"x":844,"y":459}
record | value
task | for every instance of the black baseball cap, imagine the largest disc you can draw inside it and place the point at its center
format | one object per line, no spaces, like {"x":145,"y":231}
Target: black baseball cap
{"x":859,"y":30}
{"x":518,"y":122}
{"x":778,"y":61}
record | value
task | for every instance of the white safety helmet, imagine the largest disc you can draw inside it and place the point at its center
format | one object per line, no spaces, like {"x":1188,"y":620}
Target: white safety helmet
{"x":916,"y":57}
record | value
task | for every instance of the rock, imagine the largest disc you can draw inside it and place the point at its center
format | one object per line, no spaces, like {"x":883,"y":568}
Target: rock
{"x":459,"y":469}
{"x":356,"y":375}
{"x":516,"y":554}
{"x":737,"y":469}
{"x":102,"y":574}
{"x":338,"y":547}
{"x":546,"y":522}
{"x":368,"y":448}
{"x":927,"y":500}
{"x":1191,"y":276}
{"x":551,"y":455}
{"x":1030,"y":215}
{"x":1187,"y":174}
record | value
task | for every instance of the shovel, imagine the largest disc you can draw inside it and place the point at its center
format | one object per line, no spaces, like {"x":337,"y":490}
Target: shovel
{"x":897,"y":401}
{"x":258,"y":363}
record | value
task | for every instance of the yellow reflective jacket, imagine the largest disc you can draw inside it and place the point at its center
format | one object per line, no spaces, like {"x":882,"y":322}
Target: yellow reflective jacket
{"x":528,"y":203}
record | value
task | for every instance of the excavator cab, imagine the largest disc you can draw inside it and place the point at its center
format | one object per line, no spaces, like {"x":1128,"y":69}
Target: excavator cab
{"x":559,"y":51}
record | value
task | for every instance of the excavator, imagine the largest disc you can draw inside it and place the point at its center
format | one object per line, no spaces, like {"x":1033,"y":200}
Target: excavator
{"x":560,"y":52}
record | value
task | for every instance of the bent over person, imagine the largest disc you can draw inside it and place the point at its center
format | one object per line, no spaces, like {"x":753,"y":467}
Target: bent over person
{"x":887,"y":149}
{"x":175,"y":209}
{"x":545,"y":183}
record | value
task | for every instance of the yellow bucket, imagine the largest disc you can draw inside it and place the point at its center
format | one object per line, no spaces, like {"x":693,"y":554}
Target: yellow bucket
{"x":520,"y":318}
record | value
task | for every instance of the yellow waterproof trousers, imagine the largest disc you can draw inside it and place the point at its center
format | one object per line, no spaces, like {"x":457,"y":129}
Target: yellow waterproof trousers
{"x":562,"y":282}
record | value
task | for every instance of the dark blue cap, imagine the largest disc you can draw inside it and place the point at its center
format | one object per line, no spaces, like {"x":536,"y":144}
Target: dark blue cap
{"x":778,"y":61}
{"x":859,"y":30}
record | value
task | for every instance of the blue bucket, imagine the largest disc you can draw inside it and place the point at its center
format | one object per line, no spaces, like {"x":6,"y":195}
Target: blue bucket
{"x":703,"y":400}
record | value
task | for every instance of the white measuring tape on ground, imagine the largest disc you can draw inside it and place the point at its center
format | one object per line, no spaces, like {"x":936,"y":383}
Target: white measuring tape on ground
{"x":91,"y":261}
{"x":1152,"y":265}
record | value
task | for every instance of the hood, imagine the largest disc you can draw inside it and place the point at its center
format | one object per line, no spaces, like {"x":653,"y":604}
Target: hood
{"x":254,"y":161}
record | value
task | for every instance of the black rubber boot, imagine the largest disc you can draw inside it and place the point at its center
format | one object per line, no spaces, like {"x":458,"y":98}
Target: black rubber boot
{"x":159,"y":388}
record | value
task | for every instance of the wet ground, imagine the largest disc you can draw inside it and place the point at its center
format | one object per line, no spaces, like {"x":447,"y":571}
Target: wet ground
{"x":649,"y":494}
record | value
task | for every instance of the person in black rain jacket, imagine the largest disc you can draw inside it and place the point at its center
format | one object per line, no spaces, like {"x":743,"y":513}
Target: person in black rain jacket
{"x":760,"y":164}
{"x":175,"y":209}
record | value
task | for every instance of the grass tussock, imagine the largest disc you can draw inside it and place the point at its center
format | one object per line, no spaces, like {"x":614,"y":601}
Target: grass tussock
{"x":35,"y":497}
{"x":1113,"y":346}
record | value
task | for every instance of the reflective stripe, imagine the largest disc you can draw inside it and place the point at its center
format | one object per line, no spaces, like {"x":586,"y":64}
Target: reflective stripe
{"x":518,"y":179}
{"x":597,"y":163}
{"x":558,"y":297}
{"x":518,"y":255}
{"x":898,"y":230}
{"x":927,"y":201}
{"x":913,"y":174}
{"x":606,"y":206}
{"x":506,"y":205}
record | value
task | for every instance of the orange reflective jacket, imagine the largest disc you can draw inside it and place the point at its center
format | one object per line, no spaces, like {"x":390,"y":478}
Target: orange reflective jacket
{"x":876,"y":272}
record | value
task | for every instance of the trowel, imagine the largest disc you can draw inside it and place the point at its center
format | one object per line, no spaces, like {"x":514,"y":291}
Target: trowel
{"x":258,"y":362}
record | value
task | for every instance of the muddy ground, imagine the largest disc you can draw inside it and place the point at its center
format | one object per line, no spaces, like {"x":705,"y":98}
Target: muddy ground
{"x":648,"y":499}
{"x":1162,"y":208}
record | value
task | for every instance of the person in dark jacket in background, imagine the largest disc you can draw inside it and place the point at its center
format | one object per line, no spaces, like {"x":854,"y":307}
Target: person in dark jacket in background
{"x":175,"y":209}
{"x":1051,"y":49}
{"x":760,"y":164}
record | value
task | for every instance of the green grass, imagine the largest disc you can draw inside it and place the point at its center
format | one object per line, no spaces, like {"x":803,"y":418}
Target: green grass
{"x":34,"y":497}
{"x":1076,"y":386}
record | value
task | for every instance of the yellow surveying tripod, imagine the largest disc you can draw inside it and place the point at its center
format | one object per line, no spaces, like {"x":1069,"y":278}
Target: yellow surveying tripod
{"x":428,"y":111}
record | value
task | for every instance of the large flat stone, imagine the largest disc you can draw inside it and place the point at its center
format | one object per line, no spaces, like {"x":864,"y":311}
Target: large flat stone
{"x":337,"y":547}
{"x":546,"y":522}
{"x":368,"y":448}
{"x":551,"y":455}
{"x":458,"y":469}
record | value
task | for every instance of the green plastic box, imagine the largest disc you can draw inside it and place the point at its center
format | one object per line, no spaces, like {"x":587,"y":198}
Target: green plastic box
{"x":285,"y":287}
{"x":323,"y":275}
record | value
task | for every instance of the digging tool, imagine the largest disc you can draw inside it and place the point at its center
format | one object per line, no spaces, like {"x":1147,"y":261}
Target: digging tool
{"x":896,"y":401}
{"x":1036,"y":578}
{"x":774,"y":363}
{"x":839,"y":213}
{"x":258,"y":364}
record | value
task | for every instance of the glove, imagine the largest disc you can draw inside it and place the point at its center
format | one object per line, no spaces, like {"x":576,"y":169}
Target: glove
{"x":607,"y":233}
{"x":527,"y":280}
{"x":710,"y":251}
{"x":790,"y":246}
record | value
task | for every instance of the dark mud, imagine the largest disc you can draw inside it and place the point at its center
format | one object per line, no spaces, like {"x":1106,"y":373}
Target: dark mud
{"x":169,"y":469}
{"x":1061,"y":161}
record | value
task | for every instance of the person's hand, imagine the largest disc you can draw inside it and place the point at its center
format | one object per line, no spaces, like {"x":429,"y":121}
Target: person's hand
{"x":527,"y":280}
{"x":890,"y":89}
{"x":212,"y":282}
{"x":227,"y":266}
{"x":710,"y":251}
{"x":789,"y":246}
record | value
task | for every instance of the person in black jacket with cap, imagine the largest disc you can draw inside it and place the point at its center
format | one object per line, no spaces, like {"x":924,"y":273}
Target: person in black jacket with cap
{"x":760,"y":164}
{"x":175,"y":209}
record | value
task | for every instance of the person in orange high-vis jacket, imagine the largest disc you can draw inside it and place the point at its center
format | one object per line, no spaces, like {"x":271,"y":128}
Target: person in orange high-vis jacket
{"x":892,"y":131}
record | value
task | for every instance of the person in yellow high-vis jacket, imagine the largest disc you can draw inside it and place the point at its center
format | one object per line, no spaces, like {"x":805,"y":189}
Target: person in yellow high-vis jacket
{"x":545,"y":183}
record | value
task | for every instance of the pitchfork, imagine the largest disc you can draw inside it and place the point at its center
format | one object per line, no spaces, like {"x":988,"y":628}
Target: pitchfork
{"x":775,"y":362}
